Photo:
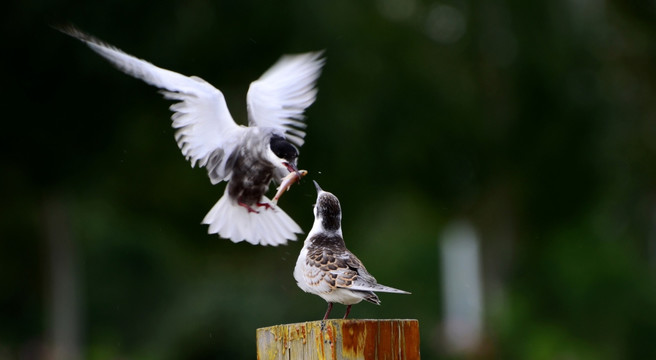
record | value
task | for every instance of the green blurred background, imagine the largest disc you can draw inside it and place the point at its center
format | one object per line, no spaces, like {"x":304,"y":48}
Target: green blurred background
{"x":533,"y":122}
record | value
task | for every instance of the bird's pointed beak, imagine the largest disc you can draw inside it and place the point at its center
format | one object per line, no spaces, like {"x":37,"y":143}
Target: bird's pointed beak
{"x":316,"y":185}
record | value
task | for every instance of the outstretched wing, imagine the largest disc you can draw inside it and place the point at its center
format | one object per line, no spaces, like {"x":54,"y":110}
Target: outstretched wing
{"x":206,"y":132}
{"x":281,"y":95}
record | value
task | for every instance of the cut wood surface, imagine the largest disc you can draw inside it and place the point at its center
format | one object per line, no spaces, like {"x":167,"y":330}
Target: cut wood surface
{"x":340,"y":339}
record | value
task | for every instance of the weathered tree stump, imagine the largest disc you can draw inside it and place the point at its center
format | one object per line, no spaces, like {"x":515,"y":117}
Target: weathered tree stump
{"x":340,"y":339}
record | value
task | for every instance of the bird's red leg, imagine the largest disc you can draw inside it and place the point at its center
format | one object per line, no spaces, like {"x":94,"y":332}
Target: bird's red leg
{"x":330,"y":307}
{"x":248,"y":207}
{"x":265,"y":205}
{"x":348,"y":310}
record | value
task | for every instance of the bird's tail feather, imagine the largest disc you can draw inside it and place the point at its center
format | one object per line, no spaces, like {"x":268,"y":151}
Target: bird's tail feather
{"x":371,"y":297}
{"x":269,"y":226}
{"x":378,"y":288}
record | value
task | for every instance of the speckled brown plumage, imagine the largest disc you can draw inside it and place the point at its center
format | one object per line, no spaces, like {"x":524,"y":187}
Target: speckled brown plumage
{"x":327,"y":268}
{"x":340,"y":268}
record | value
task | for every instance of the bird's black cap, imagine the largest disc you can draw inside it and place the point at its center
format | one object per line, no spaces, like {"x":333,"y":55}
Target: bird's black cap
{"x":283,"y":149}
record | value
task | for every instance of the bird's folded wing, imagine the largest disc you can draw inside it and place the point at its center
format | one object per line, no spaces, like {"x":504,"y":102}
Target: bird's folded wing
{"x":365,"y":281}
{"x":204,"y":124}
{"x":322,"y":282}
{"x":281,"y":95}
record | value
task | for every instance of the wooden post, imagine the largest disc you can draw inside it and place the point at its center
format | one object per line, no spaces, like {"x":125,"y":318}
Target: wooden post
{"x":340,"y":339}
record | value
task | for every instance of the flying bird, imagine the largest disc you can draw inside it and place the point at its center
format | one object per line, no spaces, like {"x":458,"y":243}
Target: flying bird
{"x":249,"y":157}
{"x":327,"y":268}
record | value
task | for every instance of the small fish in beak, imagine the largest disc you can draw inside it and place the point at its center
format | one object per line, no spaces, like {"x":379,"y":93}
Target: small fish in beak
{"x":287,"y":182}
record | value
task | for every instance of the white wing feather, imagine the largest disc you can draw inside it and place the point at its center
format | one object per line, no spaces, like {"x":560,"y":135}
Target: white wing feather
{"x":281,"y":95}
{"x":201,"y":116}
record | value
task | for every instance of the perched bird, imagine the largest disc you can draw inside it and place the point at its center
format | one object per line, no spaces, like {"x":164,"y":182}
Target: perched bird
{"x":327,"y":268}
{"x":247,"y":157}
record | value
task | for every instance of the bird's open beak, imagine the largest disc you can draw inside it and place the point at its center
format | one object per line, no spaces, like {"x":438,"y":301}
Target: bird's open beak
{"x":293,"y":168}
